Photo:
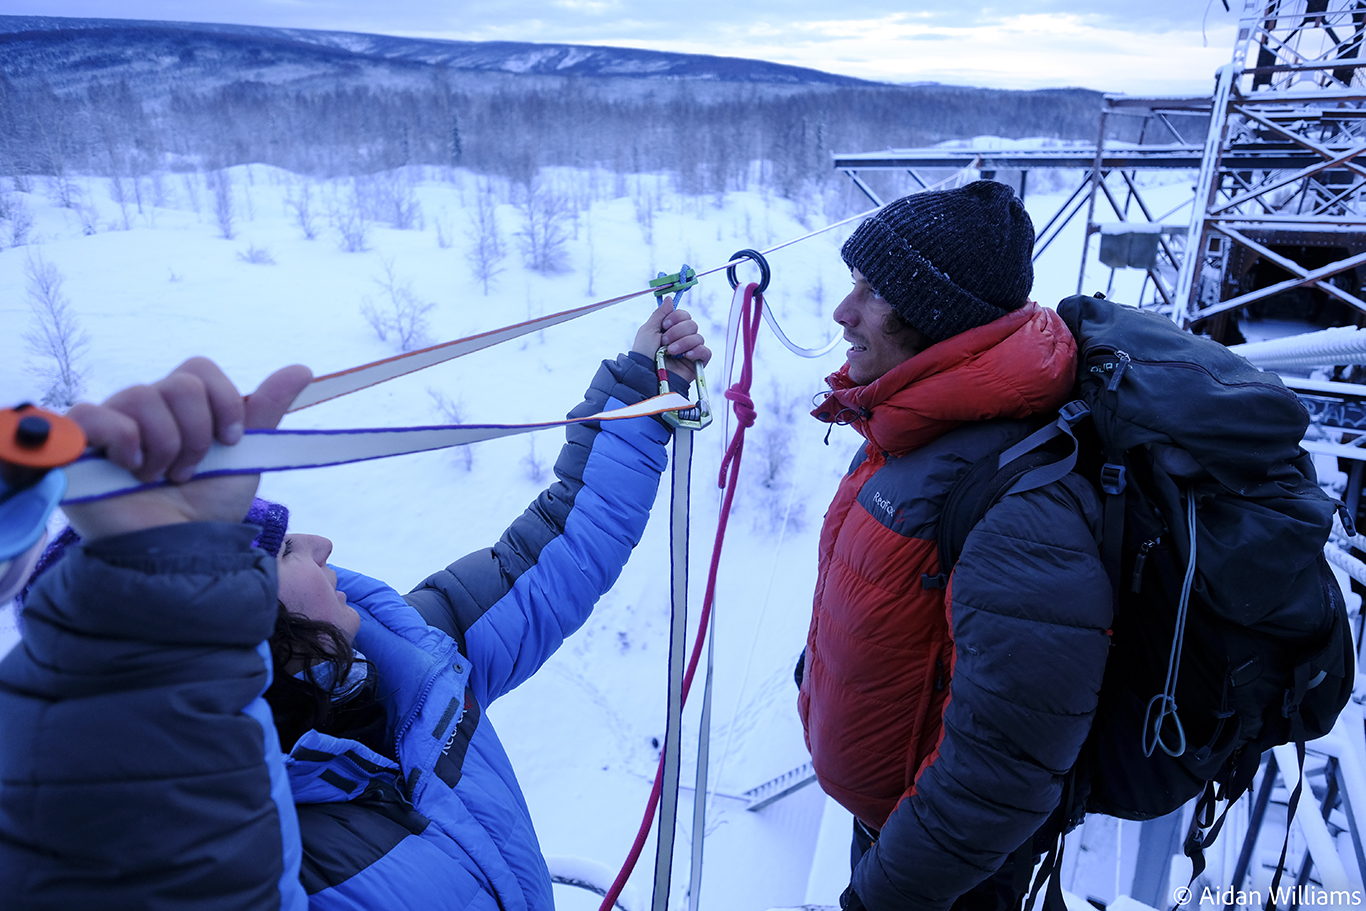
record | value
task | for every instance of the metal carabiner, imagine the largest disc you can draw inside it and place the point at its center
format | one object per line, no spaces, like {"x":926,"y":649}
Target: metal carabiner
{"x":689,"y":418}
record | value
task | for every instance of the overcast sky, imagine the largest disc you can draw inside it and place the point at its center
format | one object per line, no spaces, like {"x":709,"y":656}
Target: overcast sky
{"x":1146,"y":47}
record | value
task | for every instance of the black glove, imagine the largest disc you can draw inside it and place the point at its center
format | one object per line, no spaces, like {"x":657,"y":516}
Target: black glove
{"x":849,"y":900}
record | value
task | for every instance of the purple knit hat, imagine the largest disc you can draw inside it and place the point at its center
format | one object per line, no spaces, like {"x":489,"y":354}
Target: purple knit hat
{"x":272,"y":517}
{"x":274,"y":521}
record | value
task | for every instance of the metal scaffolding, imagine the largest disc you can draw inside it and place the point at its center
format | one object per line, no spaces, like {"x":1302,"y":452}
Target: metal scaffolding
{"x":1277,"y":206}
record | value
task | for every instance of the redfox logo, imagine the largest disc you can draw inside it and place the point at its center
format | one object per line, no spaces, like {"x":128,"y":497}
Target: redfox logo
{"x":884,"y":505}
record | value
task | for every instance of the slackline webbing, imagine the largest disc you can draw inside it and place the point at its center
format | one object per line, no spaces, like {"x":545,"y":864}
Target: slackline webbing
{"x":699,"y":799}
{"x":94,"y":478}
{"x":91,"y":478}
{"x":678,"y":646}
{"x":344,"y":382}
{"x":738,"y":395}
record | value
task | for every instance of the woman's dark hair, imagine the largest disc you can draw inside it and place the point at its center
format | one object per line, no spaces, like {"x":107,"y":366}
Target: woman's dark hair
{"x":300,"y":703}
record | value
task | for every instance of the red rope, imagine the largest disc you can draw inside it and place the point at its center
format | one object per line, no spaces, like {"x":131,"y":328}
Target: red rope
{"x":743,"y":407}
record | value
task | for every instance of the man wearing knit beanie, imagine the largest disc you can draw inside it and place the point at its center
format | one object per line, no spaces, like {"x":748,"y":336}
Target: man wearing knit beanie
{"x":944,"y":705}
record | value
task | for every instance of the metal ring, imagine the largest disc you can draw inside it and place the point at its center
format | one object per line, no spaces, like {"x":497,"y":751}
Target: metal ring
{"x":764,"y":272}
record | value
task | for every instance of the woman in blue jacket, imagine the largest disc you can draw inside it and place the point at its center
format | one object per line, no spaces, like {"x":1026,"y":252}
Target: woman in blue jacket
{"x":147,"y":760}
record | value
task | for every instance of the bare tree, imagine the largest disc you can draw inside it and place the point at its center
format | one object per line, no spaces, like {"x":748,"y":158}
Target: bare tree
{"x":299,"y":203}
{"x":58,"y":341}
{"x":592,"y":256}
{"x":443,"y":230}
{"x":533,"y":466}
{"x":62,"y":190}
{"x":190,"y":179}
{"x":453,"y":412}
{"x":394,"y":200}
{"x":224,"y":213}
{"x":544,"y":231}
{"x":646,"y":200}
{"x":486,"y":251}
{"x":399,"y":310}
{"x":16,"y":221}
{"x":347,"y":216}
{"x":119,"y":193}
{"x":257,"y":256}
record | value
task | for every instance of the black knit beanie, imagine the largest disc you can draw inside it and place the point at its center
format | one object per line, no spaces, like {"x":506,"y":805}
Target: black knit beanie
{"x":949,"y":260}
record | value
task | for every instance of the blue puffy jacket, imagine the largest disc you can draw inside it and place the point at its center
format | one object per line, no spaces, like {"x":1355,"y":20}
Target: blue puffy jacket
{"x":139,"y":765}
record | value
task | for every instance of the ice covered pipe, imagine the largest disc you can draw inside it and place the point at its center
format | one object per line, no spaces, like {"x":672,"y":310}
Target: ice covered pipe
{"x":1344,"y":561}
{"x":1341,"y":345}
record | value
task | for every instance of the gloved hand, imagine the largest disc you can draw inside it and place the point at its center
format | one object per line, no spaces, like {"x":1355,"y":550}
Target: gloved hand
{"x":849,"y":900}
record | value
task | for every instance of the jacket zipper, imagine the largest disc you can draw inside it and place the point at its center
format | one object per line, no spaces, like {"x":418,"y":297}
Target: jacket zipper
{"x":1122,"y":361}
{"x":417,"y":709}
{"x":1141,"y":558}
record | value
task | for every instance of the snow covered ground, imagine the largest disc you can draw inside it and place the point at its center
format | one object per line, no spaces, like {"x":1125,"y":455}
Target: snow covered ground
{"x":156,"y":282}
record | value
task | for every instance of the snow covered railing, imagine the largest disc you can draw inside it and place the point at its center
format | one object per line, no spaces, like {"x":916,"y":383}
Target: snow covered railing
{"x":1340,"y":345}
{"x":592,"y":876}
{"x":1344,"y":561}
{"x":776,"y":789}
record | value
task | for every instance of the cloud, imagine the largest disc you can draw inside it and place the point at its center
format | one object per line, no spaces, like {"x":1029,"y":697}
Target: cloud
{"x":591,"y":7}
{"x":1152,"y":47}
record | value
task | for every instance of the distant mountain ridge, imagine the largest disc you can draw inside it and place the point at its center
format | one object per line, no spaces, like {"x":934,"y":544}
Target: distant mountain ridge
{"x":25,"y":37}
{"x":129,"y":97}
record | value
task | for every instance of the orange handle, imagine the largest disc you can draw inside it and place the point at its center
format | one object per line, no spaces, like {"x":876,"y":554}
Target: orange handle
{"x":32,"y":437}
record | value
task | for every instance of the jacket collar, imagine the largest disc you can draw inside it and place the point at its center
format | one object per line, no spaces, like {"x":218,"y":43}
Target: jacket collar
{"x":1018,"y":365}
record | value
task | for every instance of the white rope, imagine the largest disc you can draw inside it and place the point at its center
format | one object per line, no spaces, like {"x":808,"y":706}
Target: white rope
{"x":796,"y":349}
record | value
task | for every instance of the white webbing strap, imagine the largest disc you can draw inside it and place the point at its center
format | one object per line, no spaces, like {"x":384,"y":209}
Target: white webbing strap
{"x":94,"y":478}
{"x":678,"y":646}
{"x":344,"y":382}
{"x":699,"y":796}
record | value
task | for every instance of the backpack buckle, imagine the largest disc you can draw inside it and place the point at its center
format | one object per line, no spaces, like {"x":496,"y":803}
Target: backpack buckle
{"x":1112,"y":479}
{"x":1347,"y":520}
{"x":1074,"y":411}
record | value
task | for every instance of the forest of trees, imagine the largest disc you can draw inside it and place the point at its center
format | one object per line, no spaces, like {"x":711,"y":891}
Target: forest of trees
{"x":706,"y":135}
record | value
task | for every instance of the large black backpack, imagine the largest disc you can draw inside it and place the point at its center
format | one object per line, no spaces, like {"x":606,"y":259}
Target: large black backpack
{"x":1214,"y":659}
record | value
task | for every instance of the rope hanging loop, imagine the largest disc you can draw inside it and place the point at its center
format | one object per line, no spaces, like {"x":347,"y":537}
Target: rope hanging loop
{"x":765,"y":273}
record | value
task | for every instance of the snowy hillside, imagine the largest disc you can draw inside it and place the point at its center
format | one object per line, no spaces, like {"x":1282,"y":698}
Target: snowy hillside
{"x":127,"y":99}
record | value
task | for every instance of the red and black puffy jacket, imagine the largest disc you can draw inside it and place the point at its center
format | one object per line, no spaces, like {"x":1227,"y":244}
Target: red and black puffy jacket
{"x":947,"y":718}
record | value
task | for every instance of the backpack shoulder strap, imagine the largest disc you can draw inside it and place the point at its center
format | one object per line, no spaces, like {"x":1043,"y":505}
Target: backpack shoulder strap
{"x":1028,"y":465}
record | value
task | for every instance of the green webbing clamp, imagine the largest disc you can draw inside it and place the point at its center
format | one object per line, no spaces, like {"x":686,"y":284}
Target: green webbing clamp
{"x":689,"y":418}
{"x":674,"y":284}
